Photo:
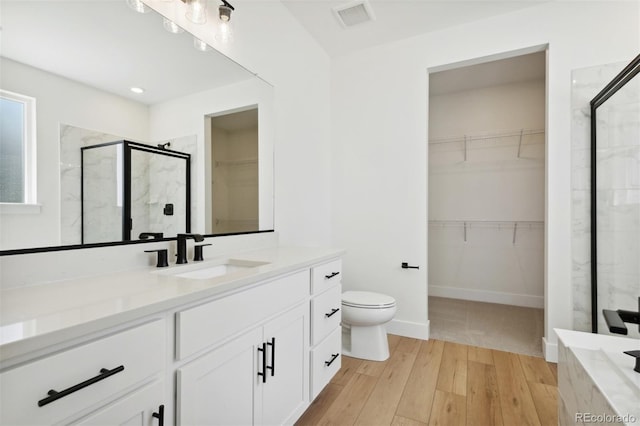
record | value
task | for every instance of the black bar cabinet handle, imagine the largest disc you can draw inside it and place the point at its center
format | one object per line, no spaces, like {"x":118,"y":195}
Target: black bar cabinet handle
{"x":55,"y":395}
{"x":272,"y":343}
{"x":333,"y":311}
{"x":333,"y":358}
{"x":331,"y":275}
{"x":263,"y":349}
{"x":159,"y":415}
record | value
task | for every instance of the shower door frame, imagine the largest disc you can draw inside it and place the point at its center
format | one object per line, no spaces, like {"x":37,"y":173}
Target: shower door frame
{"x":127,"y":146}
{"x":619,"y":81}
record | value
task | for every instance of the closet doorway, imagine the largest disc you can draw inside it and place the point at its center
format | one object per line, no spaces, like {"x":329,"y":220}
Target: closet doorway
{"x":487,"y":203}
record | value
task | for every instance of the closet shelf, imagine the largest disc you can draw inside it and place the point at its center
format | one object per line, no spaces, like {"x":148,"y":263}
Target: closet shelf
{"x":468,"y":224}
{"x":517,"y":139}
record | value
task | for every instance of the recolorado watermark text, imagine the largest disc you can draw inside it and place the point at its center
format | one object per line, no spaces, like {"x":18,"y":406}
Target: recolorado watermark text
{"x":605,"y":418}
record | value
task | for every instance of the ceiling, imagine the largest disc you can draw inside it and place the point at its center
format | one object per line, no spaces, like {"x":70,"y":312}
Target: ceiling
{"x":505,"y":71}
{"x":394,"y":19}
{"x":105,"y":44}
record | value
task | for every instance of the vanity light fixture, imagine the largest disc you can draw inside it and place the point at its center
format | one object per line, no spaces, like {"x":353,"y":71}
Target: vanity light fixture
{"x":138,"y":6}
{"x":196,"y":11}
{"x":200,"y":45}
{"x":171,"y":26}
{"x":224,"y":11}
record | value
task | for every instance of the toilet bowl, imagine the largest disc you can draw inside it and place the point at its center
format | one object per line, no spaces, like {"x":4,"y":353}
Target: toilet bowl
{"x":364,"y":315}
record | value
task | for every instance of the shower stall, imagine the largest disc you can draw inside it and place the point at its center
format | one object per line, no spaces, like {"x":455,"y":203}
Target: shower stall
{"x":615,"y":198}
{"x":133,"y":191}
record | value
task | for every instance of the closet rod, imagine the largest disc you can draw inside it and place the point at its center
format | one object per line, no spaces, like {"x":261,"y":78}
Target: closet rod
{"x":486,"y":222}
{"x":490,"y":224}
{"x":469,"y":138}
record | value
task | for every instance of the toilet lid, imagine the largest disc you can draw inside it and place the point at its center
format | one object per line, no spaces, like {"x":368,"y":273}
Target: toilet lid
{"x":367,"y":299}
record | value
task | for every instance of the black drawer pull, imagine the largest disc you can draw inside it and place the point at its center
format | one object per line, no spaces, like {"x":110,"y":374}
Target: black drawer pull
{"x":272,"y":343}
{"x":331,"y":275}
{"x":263,"y":349}
{"x":159,"y":415}
{"x":333,"y":311}
{"x":333,"y":358}
{"x":55,"y":395}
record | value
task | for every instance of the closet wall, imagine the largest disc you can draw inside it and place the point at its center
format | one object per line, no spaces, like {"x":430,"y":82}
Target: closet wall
{"x":486,"y":193}
{"x":235,"y":179}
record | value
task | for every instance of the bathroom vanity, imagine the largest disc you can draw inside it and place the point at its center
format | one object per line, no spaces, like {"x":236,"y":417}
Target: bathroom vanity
{"x":249,"y":338}
{"x":596,"y":380}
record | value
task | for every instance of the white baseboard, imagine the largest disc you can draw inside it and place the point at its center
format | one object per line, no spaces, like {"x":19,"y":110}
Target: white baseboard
{"x":416,"y":330}
{"x":487,"y":296}
{"x":550,"y":350}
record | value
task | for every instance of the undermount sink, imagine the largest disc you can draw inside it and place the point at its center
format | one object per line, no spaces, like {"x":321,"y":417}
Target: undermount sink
{"x":214,"y":269}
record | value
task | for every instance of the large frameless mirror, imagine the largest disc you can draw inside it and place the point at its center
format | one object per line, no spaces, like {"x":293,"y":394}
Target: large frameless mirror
{"x":78,"y":61}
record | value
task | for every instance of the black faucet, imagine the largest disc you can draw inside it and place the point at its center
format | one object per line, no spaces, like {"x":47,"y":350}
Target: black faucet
{"x":182,"y":246}
{"x":615,"y":319}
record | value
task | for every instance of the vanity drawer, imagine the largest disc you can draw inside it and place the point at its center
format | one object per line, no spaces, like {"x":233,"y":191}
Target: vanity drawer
{"x":325,"y":313}
{"x":328,"y":352}
{"x":326,"y":275}
{"x":206,"y":325}
{"x":115,"y":363}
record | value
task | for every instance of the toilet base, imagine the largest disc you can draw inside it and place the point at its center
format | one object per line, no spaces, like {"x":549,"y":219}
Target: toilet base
{"x":368,"y":342}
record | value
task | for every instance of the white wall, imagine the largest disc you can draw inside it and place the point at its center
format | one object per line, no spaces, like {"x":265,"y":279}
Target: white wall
{"x":495,"y":189}
{"x":491,"y":109}
{"x":60,"y":101}
{"x":379,"y":107}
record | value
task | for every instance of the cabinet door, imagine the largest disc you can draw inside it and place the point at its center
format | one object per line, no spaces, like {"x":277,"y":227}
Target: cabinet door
{"x":218,"y":388}
{"x":135,"y":409}
{"x":286,"y":392}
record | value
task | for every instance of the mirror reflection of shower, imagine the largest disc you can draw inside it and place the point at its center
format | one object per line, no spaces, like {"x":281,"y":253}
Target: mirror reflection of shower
{"x":133,"y":191}
{"x":235,"y":183}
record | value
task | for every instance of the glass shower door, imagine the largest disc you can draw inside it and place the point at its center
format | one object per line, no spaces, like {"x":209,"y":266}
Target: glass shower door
{"x":102,"y":193}
{"x":159,"y":193}
{"x":617,"y":201}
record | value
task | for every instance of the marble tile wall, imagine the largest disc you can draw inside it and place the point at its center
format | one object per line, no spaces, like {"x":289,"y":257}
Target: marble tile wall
{"x":103,"y":203}
{"x":618,"y":207}
{"x":160,"y":180}
{"x":577,"y":394}
{"x":71,"y":140}
{"x":152,"y":175}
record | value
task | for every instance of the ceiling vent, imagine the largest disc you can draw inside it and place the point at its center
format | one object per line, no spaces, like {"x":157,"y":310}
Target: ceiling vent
{"x":354,"y":13}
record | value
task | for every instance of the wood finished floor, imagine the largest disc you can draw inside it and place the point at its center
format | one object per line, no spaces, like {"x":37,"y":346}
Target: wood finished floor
{"x":439,"y":383}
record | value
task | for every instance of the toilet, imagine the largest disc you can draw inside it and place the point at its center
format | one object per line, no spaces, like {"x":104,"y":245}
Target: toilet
{"x":364,"y":315}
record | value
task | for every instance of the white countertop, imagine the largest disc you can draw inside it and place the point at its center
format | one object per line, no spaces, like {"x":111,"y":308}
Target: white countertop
{"x":37,"y":316}
{"x":608,"y":367}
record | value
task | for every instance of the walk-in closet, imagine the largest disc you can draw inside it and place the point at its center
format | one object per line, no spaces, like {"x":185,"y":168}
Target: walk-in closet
{"x":487,"y":203}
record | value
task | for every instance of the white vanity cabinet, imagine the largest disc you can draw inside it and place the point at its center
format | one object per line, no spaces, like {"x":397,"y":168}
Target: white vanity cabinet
{"x":326,"y":333}
{"x":245,"y":350}
{"x":143,"y":407}
{"x":89,"y":381}
{"x":261,"y":375}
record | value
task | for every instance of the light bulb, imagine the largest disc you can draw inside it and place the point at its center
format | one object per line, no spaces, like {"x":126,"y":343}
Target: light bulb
{"x":200,"y":45}
{"x":224,"y":12}
{"x":197,"y":11}
{"x":224,"y":33}
{"x":171,"y":26}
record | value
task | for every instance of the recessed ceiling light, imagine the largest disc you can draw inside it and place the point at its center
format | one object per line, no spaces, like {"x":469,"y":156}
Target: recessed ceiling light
{"x":137,"y":90}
